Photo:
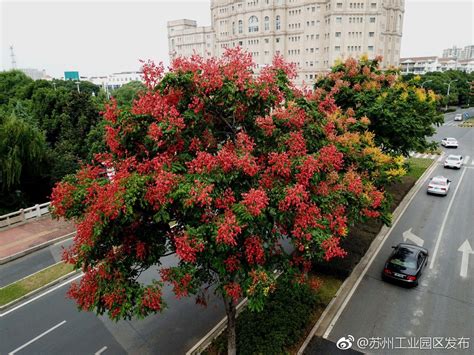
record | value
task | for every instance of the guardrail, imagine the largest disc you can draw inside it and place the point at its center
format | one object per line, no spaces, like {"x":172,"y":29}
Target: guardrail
{"x":23,"y":215}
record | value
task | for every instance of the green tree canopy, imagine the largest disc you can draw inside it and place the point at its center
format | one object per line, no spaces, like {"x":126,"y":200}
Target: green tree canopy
{"x":402,"y":115}
{"x":22,"y":146}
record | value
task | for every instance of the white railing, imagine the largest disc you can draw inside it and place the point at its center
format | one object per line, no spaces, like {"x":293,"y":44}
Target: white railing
{"x":23,"y":215}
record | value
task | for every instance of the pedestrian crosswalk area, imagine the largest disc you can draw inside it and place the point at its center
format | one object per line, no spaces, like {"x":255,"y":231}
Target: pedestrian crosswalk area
{"x":467,"y":161}
{"x":451,"y":124}
{"x":424,"y":156}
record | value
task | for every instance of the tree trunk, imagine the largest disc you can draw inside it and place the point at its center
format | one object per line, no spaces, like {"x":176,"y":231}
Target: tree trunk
{"x":231,"y":336}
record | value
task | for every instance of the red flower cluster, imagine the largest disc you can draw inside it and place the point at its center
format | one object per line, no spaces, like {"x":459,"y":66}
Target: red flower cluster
{"x":228,"y":229}
{"x":280,"y":164}
{"x":203,"y":163}
{"x":226,"y":200}
{"x":266,"y":125}
{"x":200,"y":194}
{"x":62,"y":198}
{"x":255,"y":200}
{"x":254,"y":251}
{"x":232,"y":263}
{"x":187,"y":247}
{"x":296,"y":144}
{"x":332,"y":249}
{"x":331,"y":158}
{"x":157,"y":193}
{"x":295,"y":196}
{"x":85,"y":292}
{"x":181,"y":282}
{"x":151,"y":299}
{"x":233,"y":290}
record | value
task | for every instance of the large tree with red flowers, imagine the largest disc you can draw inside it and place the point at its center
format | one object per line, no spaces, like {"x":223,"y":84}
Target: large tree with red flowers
{"x":219,"y":166}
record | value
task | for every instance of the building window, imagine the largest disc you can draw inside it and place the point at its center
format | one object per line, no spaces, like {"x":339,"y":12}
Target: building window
{"x":370,"y":48}
{"x":338,"y":34}
{"x":338,"y":19}
{"x":371,"y":34}
{"x":233,"y":28}
{"x":339,"y":5}
{"x":267,"y":23}
{"x":373,"y":5}
{"x":277,"y":40}
{"x":253,"y":24}
{"x":337,"y":48}
{"x":277,"y":23}
{"x":372,"y":20}
{"x":240,"y":26}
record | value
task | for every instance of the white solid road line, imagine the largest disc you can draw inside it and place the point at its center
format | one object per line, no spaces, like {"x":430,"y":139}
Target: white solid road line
{"x":41,"y":295}
{"x":389,"y":232}
{"x":35,"y":339}
{"x":441,"y":157}
{"x":101,"y":351}
{"x":443,"y":224}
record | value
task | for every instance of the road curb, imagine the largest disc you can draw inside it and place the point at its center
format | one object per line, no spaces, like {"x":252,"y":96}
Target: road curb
{"x":22,"y":253}
{"x":38,"y":290}
{"x":348,"y":287}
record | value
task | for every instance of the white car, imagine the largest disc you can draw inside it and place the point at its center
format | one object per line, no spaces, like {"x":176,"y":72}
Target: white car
{"x":449,"y":142}
{"x":453,"y":161}
{"x":439,"y":185}
{"x":458,"y":117}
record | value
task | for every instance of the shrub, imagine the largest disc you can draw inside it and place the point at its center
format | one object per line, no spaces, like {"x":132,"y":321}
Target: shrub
{"x":283,"y":319}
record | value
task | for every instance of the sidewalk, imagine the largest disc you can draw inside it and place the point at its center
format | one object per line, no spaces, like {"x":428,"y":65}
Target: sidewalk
{"x":31,"y":234}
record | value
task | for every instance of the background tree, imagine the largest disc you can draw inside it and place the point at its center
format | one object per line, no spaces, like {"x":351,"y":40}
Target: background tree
{"x":58,"y":113}
{"x":402,"y":115}
{"x":459,"y":93}
{"x":125,"y":94}
{"x":238,"y":165}
{"x":22,"y":153}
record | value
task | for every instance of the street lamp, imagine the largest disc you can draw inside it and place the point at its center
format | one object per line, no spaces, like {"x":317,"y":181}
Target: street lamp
{"x":447,"y":94}
{"x":424,"y":82}
{"x":78,"y":89}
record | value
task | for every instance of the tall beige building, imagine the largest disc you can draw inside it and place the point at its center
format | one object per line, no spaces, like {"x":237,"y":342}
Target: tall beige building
{"x":311,"y":33}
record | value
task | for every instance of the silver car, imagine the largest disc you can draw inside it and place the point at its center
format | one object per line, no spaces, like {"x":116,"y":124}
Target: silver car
{"x":453,"y":161}
{"x":439,"y":185}
{"x":449,"y":142}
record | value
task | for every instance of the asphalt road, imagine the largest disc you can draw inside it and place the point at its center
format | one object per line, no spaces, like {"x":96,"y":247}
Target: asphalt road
{"x":390,"y":319}
{"x":51,"y":324}
{"x":31,"y":263}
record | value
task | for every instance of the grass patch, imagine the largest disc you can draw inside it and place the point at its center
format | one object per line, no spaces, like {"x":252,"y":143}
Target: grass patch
{"x":417,"y":166}
{"x":20,"y":288}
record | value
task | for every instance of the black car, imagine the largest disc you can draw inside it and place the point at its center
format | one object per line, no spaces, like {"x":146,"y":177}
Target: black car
{"x":405,"y":264}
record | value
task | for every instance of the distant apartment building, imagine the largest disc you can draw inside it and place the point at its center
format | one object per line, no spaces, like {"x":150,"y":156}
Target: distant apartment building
{"x":459,"y":53}
{"x":423,"y":65}
{"x":186,"y":38}
{"x":312,"y":34}
{"x":116,"y":80}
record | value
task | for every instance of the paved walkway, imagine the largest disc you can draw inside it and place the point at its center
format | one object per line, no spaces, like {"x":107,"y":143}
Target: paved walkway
{"x":30,"y":234}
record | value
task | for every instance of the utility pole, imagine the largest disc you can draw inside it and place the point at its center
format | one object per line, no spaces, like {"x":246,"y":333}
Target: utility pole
{"x":447,"y":94}
{"x":424,"y":82}
{"x":12,"y":56}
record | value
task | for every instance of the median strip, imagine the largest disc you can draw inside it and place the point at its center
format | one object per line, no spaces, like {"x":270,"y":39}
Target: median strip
{"x":31,"y":283}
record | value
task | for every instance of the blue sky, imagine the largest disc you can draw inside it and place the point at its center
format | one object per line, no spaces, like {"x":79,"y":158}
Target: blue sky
{"x":98,"y":38}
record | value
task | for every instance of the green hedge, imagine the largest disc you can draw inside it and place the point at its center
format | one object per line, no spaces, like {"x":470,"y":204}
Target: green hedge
{"x":283,"y":320}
